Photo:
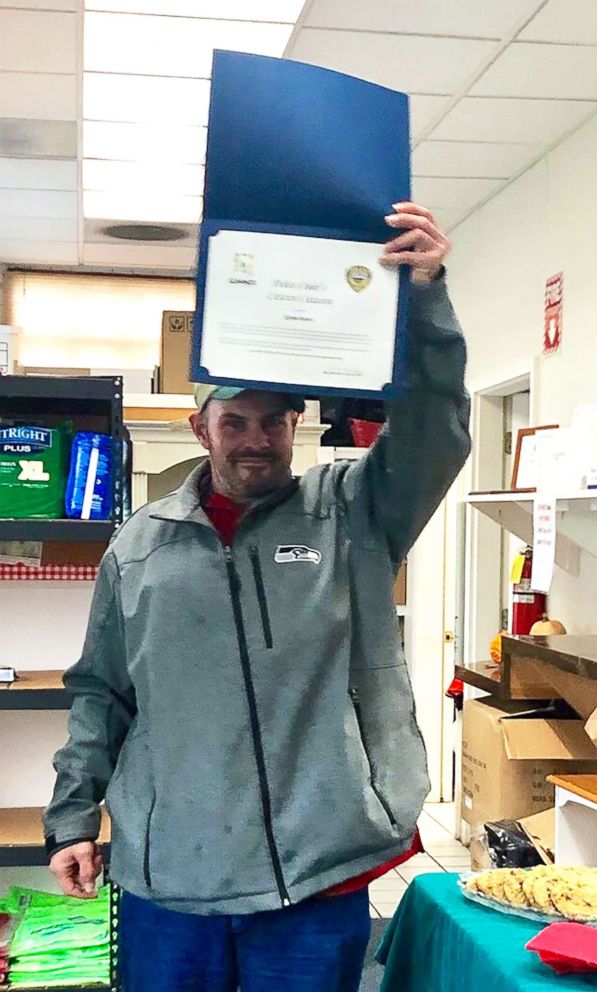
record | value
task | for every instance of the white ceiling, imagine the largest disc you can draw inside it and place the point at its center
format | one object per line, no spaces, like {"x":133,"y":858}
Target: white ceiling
{"x":103,"y":110}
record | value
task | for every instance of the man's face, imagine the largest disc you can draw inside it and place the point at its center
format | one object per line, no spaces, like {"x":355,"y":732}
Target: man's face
{"x":249,"y":439}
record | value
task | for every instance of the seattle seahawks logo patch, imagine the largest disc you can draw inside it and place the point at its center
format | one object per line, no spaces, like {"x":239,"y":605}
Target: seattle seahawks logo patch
{"x":296,"y":552}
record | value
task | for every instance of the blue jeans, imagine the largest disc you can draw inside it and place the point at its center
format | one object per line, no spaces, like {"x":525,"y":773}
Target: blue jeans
{"x":314,"y":946}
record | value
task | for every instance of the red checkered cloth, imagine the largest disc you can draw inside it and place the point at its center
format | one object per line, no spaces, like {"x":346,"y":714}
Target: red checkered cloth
{"x":45,"y":573}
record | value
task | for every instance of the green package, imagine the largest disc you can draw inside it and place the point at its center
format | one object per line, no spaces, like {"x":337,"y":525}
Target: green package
{"x":60,"y":940}
{"x":34,"y":463}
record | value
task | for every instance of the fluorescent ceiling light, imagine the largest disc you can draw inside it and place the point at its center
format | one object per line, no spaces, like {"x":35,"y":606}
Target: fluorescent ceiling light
{"x":285,"y":11}
{"x":143,"y":177}
{"x":139,"y":99}
{"x":158,"y":206}
{"x":144,"y":142}
{"x":172,"y":46}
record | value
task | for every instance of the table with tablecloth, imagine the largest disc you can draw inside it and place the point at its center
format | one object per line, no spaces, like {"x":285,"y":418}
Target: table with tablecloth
{"x":438,"y":941}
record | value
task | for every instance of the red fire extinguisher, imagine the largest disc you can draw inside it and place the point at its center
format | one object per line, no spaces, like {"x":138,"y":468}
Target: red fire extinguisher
{"x":527,"y":606}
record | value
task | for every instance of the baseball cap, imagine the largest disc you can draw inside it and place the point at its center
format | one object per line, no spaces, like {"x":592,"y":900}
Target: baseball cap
{"x":204,"y":393}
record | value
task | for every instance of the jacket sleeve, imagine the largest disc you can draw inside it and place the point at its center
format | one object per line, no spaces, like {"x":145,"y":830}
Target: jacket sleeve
{"x":102,"y":711}
{"x":399,"y":484}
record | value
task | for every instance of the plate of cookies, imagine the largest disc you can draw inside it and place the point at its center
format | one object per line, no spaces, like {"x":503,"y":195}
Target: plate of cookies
{"x":545,"y":893}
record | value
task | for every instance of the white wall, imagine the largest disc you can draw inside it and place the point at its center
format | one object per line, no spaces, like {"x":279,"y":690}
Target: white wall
{"x":543,"y":223}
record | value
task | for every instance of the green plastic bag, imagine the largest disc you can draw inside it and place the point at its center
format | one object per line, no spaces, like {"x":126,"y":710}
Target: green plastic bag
{"x":60,"y":940}
{"x":34,"y":463}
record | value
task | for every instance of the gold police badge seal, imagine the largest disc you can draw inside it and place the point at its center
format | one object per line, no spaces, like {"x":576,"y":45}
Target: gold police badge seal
{"x":358,"y":277}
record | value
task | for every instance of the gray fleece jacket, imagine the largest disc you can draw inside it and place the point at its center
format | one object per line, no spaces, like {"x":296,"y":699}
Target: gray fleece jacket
{"x":246,"y":712}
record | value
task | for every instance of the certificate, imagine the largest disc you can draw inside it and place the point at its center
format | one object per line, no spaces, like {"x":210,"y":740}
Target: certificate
{"x":302,"y":165}
{"x":326,"y":309}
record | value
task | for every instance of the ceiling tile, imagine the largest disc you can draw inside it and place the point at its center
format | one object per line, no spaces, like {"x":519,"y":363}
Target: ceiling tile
{"x":39,"y":229}
{"x":526,"y":121}
{"x":172,"y":46}
{"x":564,"y":21}
{"x":423,"y":110}
{"x":146,"y":176}
{"x":39,"y":95}
{"x":435,"y":193}
{"x":18,"y":173}
{"x":416,"y":65}
{"x":464,"y":158}
{"x":144,"y":142}
{"x":448,"y":217}
{"x":139,"y":256}
{"x":39,"y":252}
{"x":41,"y":4}
{"x":21,"y":138}
{"x":535,"y":70}
{"x":35,"y":203}
{"x":148,"y":99}
{"x":464,"y":18}
{"x":37,"y":41}
{"x":237,"y":10}
{"x":164,"y":206}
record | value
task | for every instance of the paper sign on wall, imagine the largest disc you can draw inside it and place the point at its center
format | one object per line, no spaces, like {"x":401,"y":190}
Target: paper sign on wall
{"x":544,"y":542}
{"x":554,"y":302}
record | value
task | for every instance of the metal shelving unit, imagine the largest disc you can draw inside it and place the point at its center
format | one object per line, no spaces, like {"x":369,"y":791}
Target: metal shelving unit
{"x":99,"y":400}
{"x":41,"y":690}
{"x":93,"y":396}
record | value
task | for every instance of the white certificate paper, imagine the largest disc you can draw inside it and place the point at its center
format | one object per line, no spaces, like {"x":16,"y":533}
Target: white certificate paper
{"x":307,"y":311}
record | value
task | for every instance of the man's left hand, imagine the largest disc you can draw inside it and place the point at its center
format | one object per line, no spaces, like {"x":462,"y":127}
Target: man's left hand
{"x":422,"y":245}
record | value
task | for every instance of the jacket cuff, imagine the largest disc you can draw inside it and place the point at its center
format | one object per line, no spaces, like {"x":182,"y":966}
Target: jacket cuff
{"x":53,"y":846}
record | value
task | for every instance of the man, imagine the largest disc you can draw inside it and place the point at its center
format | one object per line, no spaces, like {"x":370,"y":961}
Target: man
{"x":242,"y":701}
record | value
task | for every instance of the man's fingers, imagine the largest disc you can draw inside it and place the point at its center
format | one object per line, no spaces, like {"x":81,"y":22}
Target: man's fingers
{"x":414,"y":221}
{"x":411,"y":239}
{"x":419,"y":259}
{"x":408,"y":207}
{"x":88,"y":871}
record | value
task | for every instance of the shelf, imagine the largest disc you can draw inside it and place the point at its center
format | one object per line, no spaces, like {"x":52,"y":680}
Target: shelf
{"x":35,"y":691}
{"x":482,"y":675}
{"x":22,"y":839}
{"x":576,"y":523}
{"x":41,"y":387}
{"x":99,"y":531}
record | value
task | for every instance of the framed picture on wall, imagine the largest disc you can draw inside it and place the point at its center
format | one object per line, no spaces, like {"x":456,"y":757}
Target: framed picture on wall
{"x":524,"y":474}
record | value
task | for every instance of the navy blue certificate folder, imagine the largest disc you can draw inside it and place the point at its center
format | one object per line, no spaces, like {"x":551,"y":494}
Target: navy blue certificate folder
{"x":300,"y":150}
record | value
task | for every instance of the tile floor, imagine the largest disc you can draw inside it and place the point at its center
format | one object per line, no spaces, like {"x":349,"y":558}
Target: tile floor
{"x":444,"y":853}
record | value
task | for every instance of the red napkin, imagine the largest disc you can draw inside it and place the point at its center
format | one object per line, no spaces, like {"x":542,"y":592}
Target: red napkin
{"x":567,"y":947}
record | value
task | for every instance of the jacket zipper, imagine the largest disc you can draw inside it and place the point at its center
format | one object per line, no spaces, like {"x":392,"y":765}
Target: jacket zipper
{"x":354,"y":695}
{"x":146,"y":852}
{"x":245,"y":661}
{"x":261,"y":597}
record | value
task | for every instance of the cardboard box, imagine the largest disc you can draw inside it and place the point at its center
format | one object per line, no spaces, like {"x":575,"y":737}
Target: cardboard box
{"x":175,"y":362}
{"x":400,"y":586}
{"x":507,"y":753}
{"x":541,"y":830}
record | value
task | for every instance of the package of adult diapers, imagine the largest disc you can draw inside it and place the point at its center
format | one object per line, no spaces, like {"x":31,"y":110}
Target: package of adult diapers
{"x":34,"y":462}
{"x":89,"y":486}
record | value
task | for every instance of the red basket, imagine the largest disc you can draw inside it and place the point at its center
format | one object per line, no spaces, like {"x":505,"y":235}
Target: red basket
{"x":364,"y":432}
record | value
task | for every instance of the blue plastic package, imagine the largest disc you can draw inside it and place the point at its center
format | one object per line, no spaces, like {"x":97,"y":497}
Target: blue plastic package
{"x":89,"y":487}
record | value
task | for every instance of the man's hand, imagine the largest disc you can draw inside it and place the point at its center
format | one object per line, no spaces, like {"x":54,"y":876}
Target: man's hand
{"x":77,"y":868}
{"x":422,"y":245}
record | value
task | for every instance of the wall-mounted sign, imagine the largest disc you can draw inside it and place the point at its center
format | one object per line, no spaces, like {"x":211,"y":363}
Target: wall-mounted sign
{"x":554,"y":303}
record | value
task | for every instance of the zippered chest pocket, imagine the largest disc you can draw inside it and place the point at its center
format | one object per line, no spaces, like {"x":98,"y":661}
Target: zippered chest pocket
{"x":266,"y":625}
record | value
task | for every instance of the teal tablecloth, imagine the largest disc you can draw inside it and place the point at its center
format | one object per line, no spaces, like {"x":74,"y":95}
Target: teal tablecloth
{"x":439,"y":941}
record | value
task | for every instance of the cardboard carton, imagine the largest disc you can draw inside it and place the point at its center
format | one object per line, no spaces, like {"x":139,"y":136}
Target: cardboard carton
{"x":177,"y":326}
{"x":507,"y":753}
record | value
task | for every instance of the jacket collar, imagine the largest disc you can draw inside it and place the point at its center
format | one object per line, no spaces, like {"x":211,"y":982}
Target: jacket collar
{"x":185,"y":504}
